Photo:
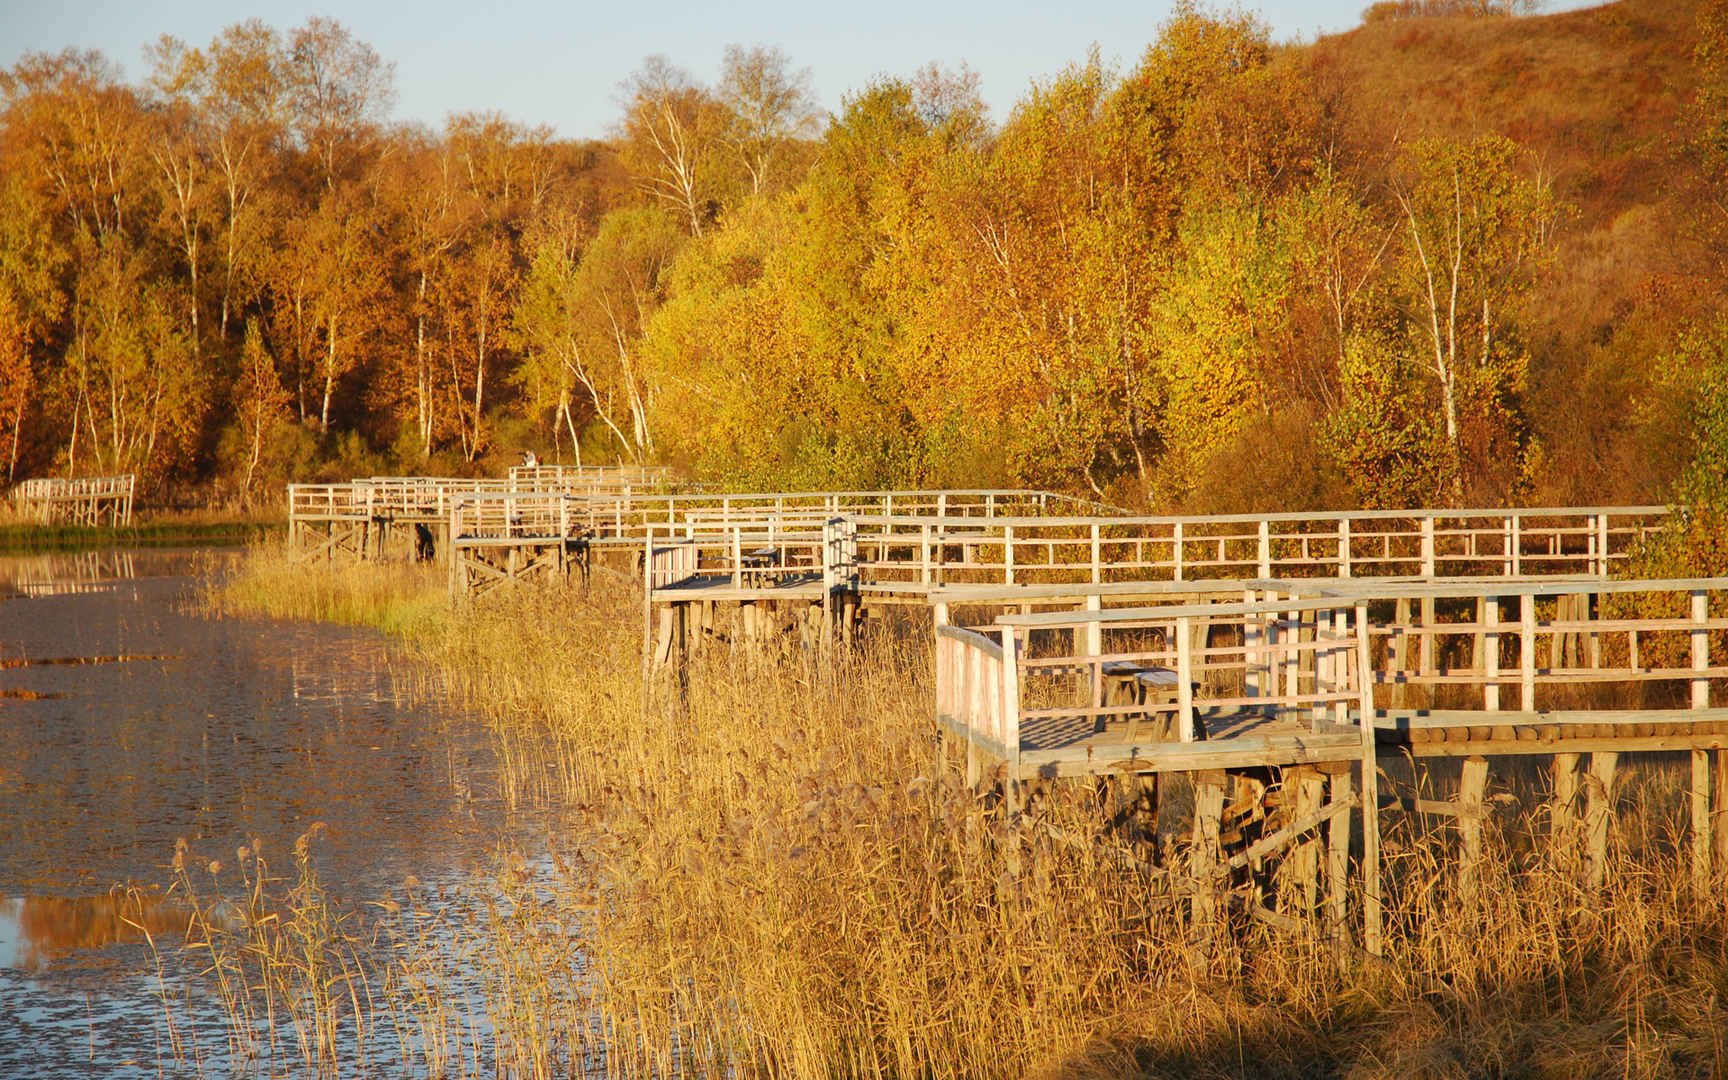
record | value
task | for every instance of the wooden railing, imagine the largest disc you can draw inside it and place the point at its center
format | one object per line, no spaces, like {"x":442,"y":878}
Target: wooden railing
{"x":1401,"y":543}
{"x":974,"y":690}
{"x":83,"y":500}
{"x":496,"y":515}
{"x":572,"y":477}
{"x":756,"y":555}
{"x":1537,"y":646}
{"x":906,"y":552}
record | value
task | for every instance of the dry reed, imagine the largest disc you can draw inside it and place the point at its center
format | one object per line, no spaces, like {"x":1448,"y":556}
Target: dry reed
{"x":776,"y":871}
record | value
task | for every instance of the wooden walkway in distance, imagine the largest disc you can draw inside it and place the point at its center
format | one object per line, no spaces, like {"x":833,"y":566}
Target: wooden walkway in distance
{"x":89,"y":500}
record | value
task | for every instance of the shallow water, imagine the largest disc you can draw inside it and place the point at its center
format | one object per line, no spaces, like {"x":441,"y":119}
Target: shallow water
{"x":129,"y":722}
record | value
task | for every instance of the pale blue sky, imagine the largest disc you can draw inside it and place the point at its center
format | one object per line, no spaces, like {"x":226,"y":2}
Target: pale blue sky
{"x":559,"y":64}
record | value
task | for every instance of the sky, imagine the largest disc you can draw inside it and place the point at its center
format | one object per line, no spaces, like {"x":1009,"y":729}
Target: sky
{"x":559,"y":64}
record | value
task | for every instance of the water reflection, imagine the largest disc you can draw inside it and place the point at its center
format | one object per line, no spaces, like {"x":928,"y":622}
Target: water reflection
{"x":66,"y":573}
{"x":36,"y":931}
{"x":222,"y":733}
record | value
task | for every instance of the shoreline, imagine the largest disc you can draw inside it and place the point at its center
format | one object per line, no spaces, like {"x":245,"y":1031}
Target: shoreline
{"x":168,"y":529}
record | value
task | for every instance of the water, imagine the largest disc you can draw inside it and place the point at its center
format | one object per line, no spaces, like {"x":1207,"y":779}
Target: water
{"x":128,"y":723}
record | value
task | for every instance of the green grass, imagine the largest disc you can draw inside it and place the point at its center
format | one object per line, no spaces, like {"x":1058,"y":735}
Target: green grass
{"x":164,"y":532}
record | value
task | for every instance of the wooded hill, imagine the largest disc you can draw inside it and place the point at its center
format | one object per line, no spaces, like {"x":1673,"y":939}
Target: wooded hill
{"x":1445,"y":257}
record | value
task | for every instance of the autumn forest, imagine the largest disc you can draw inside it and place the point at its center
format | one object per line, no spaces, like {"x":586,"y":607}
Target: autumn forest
{"x":1454,"y":256}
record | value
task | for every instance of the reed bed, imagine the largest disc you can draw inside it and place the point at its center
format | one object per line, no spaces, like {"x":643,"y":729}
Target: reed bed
{"x":774,"y":870}
{"x":408,"y":599}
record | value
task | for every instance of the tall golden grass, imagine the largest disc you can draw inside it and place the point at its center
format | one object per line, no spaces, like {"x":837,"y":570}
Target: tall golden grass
{"x":776,"y":871}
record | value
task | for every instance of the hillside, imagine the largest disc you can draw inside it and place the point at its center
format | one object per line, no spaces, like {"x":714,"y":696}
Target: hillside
{"x":1205,"y":282}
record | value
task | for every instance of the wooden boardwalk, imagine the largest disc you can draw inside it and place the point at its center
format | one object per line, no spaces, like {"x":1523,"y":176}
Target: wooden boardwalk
{"x":89,"y":500}
{"x":1280,"y":662}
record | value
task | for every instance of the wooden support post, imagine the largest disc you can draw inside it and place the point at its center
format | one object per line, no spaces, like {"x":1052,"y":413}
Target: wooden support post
{"x":1598,"y":813}
{"x":1306,"y":790}
{"x":1472,"y":782}
{"x":1563,"y":817}
{"x":1204,"y":856}
{"x":1701,"y":823}
{"x":1338,"y":859}
{"x":1720,"y":806}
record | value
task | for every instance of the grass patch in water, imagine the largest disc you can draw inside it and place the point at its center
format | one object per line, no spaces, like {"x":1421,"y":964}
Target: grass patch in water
{"x":405,"y":599}
{"x":165,"y":531}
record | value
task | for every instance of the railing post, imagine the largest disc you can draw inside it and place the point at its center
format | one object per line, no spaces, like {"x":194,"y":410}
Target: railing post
{"x":1011,"y":702}
{"x":1253,"y":633}
{"x":1007,"y":553}
{"x":1343,"y":547}
{"x":1097,"y":561}
{"x":1179,"y":546}
{"x":924,"y":553}
{"x":1700,"y":648}
{"x":1095,"y":650}
{"x":1265,"y":548}
{"x":1527,"y":652}
{"x":737,"y":557}
{"x":1184,"y":682}
{"x":1428,"y":557}
{"x":1490,"y":618}
{"x":1602,"y":544}
{"x":1370,"y":791}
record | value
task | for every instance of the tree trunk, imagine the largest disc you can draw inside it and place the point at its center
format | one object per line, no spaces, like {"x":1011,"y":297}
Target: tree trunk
{"x":422,"y":389}
{"x":329,"y":380}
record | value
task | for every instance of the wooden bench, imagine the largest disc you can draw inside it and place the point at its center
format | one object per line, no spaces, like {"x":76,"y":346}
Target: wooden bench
{"x":1129,"y":683}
